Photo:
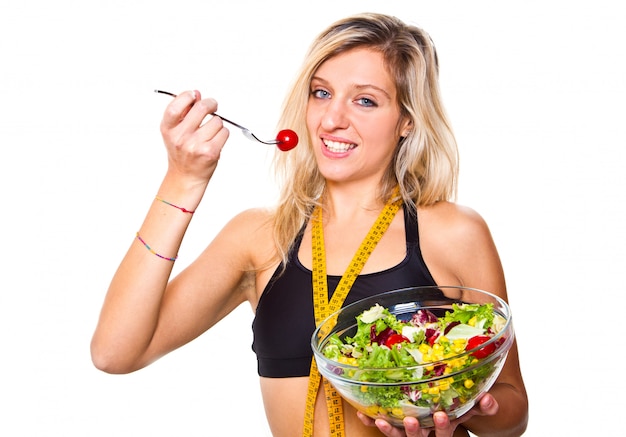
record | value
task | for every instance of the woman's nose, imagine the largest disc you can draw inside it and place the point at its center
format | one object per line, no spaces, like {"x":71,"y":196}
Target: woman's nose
{"x":335,"y":116}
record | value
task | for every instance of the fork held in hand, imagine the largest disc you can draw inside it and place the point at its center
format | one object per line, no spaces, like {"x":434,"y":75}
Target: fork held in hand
{"x":247,"y":133}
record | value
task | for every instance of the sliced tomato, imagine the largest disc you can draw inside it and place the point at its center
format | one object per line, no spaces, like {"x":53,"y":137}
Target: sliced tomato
{"x":476,"y":341}
{"x":395,"y":339}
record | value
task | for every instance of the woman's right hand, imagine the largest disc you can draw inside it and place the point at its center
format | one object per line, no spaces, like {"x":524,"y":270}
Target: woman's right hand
{"x":193,"y":147}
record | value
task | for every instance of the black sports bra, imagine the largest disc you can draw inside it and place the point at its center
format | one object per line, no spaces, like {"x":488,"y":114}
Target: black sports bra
{"x":284,"y":320}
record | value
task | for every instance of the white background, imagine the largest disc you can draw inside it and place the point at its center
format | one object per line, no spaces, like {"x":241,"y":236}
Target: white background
{"x":535,"y":91}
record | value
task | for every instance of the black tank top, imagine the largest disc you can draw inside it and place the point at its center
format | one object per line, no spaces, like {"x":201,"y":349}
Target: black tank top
{"x":284,"y":320}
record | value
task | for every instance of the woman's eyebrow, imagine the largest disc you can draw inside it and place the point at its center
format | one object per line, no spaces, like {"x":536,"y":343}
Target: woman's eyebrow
{"x":360,"y":87}
{"x":377,"y":88}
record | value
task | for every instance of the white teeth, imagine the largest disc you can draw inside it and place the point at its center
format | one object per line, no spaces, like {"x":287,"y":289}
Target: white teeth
{"x":338,"y":147}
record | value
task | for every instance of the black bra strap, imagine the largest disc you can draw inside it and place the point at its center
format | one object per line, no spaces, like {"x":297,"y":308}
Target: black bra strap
{"x":410,"y":226}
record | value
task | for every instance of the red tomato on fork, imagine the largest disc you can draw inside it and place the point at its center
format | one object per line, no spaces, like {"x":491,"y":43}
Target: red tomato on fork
{"x":287,"y":140}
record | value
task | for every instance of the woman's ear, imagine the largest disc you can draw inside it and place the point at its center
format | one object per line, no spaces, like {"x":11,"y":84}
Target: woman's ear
{"x":406,"y":127}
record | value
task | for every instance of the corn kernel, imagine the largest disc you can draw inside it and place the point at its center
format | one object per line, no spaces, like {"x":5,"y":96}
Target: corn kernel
{"x":397,"y":412}
{"x":468,"y":383}
{"x":458,"y":348}
{"x":363,"y":389}
{"x":458,"y":363}
{"x":372,"y":410}
{"x":433,"y":391}
{"x":472,"y":321}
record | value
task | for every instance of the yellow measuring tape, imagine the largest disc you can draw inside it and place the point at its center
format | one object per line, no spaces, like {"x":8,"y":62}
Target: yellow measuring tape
{"x":323,"y":308}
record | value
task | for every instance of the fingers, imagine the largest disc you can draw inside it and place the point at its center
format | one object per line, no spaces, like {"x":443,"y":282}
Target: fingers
{"x":187,"y":111}
{"x":389,"y":430}
{"x":193,"y":146}
{"x":178,"y":108}
{"x":368,"y":421}
{"x":443,"y":427}
{"x":383,"y":426}
{"x":184,"y":119}
{"x":488,"y":405}
{"x":411,"y":427}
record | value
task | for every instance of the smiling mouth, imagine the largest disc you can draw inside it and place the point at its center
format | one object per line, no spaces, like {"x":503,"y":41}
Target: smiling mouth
{"x":337,"y":147}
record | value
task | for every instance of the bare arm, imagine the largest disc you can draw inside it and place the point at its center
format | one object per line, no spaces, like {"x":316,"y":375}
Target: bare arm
{"x":466,"y":255}
{"x":144,"y":315}
{"x":459,"y":250}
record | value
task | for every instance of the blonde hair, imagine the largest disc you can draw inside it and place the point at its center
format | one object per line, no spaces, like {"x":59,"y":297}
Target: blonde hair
{"x":425,"y":165}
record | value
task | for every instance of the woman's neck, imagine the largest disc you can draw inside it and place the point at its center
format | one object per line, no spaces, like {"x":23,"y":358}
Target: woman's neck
{"x":346,"y":202}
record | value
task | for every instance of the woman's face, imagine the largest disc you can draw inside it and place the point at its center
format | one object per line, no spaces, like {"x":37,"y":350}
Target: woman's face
{"x":353,"y":117}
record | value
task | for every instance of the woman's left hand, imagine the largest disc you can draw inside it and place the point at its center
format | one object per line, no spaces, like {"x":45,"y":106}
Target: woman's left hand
{"x":487,"y":406}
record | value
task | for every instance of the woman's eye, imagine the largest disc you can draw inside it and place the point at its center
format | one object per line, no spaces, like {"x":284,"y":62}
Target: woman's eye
{"x":320,"y":94}
{"x":364,"y":101}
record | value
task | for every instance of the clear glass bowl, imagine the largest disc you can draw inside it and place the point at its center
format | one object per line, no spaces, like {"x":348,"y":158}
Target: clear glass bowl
{"x":454,"y":392}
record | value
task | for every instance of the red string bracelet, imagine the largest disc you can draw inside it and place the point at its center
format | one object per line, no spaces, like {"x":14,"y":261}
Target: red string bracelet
{"x":175,"y":206}
{"x":153,"y":252}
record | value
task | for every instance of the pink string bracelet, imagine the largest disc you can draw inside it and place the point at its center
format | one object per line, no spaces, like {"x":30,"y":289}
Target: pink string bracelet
{"x":153,"y":252}
{"x":175,"y":206}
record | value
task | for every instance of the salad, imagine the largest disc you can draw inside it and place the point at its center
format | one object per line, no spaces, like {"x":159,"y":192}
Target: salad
{"x":386,"y":352}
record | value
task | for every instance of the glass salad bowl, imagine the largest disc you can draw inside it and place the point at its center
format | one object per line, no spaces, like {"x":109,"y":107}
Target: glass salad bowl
{"x":415,"y":351}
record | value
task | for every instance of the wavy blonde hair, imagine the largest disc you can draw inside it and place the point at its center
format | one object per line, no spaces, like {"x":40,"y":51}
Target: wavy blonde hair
{"x":425,"y":165}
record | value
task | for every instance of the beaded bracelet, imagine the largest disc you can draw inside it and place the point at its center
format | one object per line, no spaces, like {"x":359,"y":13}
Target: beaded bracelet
{"x":153,"y":252}
{"x":175,"y":206}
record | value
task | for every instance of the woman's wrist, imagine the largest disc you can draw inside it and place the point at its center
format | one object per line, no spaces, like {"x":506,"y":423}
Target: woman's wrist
{"x":180,"y":208}
{"x":181,"y":193}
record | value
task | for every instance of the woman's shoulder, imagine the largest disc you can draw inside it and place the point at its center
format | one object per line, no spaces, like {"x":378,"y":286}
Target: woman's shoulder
{"x":250,"y":223}
{"x":254,"y":215}
{"x":244,"y":244}
{"x":457,"y":245}
{"x":452,"y":218}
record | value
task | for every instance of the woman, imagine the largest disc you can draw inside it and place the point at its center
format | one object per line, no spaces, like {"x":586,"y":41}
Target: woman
{"x":367,"y":109}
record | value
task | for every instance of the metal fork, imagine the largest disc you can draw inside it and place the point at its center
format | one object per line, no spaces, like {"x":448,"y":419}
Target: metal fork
{"x":246,"y":132}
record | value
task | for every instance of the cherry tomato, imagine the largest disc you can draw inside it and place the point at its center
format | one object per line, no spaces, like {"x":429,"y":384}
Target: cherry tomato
{"x":395,"y":339}
{"x":287,"y":140}
{"x":476,"y":341}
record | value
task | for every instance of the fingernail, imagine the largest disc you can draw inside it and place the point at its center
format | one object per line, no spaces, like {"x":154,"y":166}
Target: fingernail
{"x":440,"y":419}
